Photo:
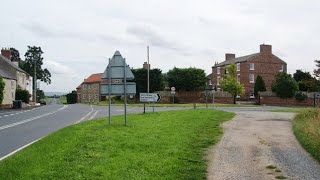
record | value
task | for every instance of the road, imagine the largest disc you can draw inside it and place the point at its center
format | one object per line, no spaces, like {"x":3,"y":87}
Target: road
{"x":20,"y":128}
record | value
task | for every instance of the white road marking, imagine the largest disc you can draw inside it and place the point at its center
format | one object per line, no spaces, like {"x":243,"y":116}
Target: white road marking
{"x":31,"y":119}
{"x":5,"y":115}
{"x":19,"y":149}
{"x":87,"y":115}
{"x":11,"y":114}
{"x":93,"y":115}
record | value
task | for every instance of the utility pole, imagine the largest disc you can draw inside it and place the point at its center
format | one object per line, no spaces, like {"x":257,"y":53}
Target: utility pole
{"x":34,"y":81}
{"x":148,"y":76}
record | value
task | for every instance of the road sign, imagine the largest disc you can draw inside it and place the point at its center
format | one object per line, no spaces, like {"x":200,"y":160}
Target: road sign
{"x":317,"y":95}
{"x":173,"y":88}
{"x":149,"y":97}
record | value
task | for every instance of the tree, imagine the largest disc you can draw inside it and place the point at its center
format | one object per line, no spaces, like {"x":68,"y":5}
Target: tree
{"x":15,"y":55}
{"x":22,"y":95}
{"x":141,"y":79}
{"x":1,"y":89}
{"x":186,"y":79}
{"x":259,"y":86}
{"x":306,"y":82}
{"x":230,"y":82}
{"x":284,"y":85}
{"x":35,"y":54}
{"x":40,"y":94}
{"x":316,"y":72}
{"x":72,"y":97}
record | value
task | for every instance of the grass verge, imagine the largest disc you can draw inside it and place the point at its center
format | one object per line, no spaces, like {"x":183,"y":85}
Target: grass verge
{"x":63,"y":100}
{"x":162,"y":145}
{"x":306,"y":127}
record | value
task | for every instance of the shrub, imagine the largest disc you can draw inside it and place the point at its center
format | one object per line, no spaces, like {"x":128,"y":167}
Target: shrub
{"x":300,"y":96}
{"x":22,"y":95}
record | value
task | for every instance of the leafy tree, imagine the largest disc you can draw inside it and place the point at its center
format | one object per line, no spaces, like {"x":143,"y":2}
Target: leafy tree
{"x":316,"y":72}
{"x":284,"y":85}
{"x":35,"y":54}
{"x":1,"y":89}
{"x":141,"y":79}
{"x":259,"y":86}
{"x":186,"y":79}
{"x":72,"y":97}
{"x":15,"y":55}
{"x":22,"y":95}
{"x":40,"y":94}
{"x":230,"y":82}
{"x":306,"y":82}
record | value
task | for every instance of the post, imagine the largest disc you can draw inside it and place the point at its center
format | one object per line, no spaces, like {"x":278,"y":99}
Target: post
{"x":34,"y":81}
{"x":314,"y":100}
{"x":125,"y":92}
{"x":173,"y":98}
{"x":207,"y":93}
{"x":109,"y":90}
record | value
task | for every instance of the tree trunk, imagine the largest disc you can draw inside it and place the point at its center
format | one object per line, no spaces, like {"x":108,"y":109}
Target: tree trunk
{"x":234,"y":99}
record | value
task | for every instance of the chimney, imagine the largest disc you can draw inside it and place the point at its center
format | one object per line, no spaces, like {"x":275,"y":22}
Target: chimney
{"x":6,"y":52}
{"x":145,"y":65}
{"x":230,"y":56}
{"x":265,"y":49}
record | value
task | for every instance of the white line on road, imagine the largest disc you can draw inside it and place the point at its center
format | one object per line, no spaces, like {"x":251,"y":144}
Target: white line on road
{"x":87,"y":115}
{"x":93,"y":115}
{"x":31,"y":119}
{"x":19,"y":149}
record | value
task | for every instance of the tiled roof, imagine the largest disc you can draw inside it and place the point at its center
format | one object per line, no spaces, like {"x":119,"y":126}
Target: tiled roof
{"x":8,"y":61}
{"x":6,"y":70}
{"x":237,"y":60}
{"x":93,"y":78}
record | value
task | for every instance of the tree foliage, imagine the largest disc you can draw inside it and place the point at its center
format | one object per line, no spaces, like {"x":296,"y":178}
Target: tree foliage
{"x":284,"y":85}
{"x":22,"y":95}
{"x":141,"y":79}
{"x":230,"y":82}
{"x":15,"y":55}
{"x":40,"y":94}
{"x":186,"y":79}
{"x":259,"y":86}
{"x":1,"y":89}
{"x":72,"y":97}
{"x":306,"y":82}
{"x":35,"y":54}
{"x":316,"y":72}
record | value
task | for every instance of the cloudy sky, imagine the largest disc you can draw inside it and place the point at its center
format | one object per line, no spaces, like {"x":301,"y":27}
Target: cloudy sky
{"x":79,"y":36}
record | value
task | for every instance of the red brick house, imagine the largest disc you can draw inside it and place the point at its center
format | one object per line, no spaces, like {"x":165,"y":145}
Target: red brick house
{"x":89,"y":90}
{"x":264,"y":63}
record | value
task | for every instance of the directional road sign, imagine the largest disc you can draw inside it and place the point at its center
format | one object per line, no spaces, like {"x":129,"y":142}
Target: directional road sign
{"x":149,"y":97}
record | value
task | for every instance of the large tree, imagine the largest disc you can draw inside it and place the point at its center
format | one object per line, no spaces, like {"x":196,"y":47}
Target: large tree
{"x":141,"y":79}
{"x":316,"y":72}
{"x":1,"y":89}
{"x":230,"y":82}
{"x":15,"y":55}
{"x":306,"y":82}
{"x":186,"y":79}
{"x":34,"y":54}
{"x":284,"y":85}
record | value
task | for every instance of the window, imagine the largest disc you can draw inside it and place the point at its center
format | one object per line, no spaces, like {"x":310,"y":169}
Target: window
{"x":251,"y":66}
{"x":238,"y":77}
{"x":251,"y":78}
{"x":281,"y":70}
{"x":218,"y":80}
{"x":251,"y":93}
{"x":238,"y":66}
{"x":218,"y":70}
{"x":96,"y":97}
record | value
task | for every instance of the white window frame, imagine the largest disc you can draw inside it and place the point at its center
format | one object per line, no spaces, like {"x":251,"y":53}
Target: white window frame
{"x":218,"y":80}
{"x":238,"y":66}
{"x":251,"y":95}
{"x":251,"y":80}
{"x":218,"y":70}
{"x":281,"y":70}
{"x":251,"y":66}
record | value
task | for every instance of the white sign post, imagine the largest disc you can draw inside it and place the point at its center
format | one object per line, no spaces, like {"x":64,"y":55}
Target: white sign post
{"x":149,"y":97}
{"x":173,"y":92}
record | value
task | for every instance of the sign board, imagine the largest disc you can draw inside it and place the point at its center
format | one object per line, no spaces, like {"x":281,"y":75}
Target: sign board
{"x":149,"y":97}
{"x":317,"y":95}
{"x":173,"y":88}
{"x":173,"y":92}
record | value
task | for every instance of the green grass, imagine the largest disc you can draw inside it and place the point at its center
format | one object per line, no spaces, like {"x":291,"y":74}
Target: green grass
{"x":162,"y":145}
{"x":306,"y":127}
{"x":63,"y":100}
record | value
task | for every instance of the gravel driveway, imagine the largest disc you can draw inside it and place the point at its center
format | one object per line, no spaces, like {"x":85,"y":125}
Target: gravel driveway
{"x":260,"y":145}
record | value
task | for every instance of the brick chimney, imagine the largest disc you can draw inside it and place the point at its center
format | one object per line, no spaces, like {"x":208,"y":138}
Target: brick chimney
{"x":265,"y":49}
{"x":145,"y":65}
{"x":230,"y":56}
{"x":6,"y":52}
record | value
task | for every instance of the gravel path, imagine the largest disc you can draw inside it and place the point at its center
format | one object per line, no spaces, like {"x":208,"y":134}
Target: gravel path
{"x":260,"y":145}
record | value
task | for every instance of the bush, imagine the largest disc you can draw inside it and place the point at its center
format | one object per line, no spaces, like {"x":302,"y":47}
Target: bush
{"x":22,"y":95}
{"x":300,"y":96}
{"x":72,"y":97}
{"x":1,"y":89}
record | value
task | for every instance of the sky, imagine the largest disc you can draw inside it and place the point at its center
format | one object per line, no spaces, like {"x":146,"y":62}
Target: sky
{"x":78,"y":37}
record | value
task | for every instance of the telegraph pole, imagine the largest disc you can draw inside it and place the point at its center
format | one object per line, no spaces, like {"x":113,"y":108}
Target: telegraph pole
{"x":148,"y":76}
{"x":34,"y":81}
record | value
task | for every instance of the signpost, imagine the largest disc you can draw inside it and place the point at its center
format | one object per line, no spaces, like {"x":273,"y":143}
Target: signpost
{"x":149,"y":97}
{"x":114,"y":81}
{"x":173,"y":92}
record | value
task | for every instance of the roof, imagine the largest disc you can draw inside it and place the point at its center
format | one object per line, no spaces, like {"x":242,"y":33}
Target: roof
{"x":79,"y":87}
{"x":6,"y":70}
{"x":8,"y":61}
{"x":93,"y":78}
{"x":238,"y":59}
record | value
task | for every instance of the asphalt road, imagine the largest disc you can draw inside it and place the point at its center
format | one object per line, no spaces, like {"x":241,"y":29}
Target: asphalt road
{"x":20,"y":128}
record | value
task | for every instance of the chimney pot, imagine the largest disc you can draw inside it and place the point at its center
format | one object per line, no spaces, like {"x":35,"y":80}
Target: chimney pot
{"x":265,"y":49}
{"x":230,"y":56}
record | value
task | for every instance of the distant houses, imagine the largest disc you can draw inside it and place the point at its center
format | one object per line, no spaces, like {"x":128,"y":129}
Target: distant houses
{"x":14,"y":77}
{"x":264,"y":63}
{"x":89,"y":90}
